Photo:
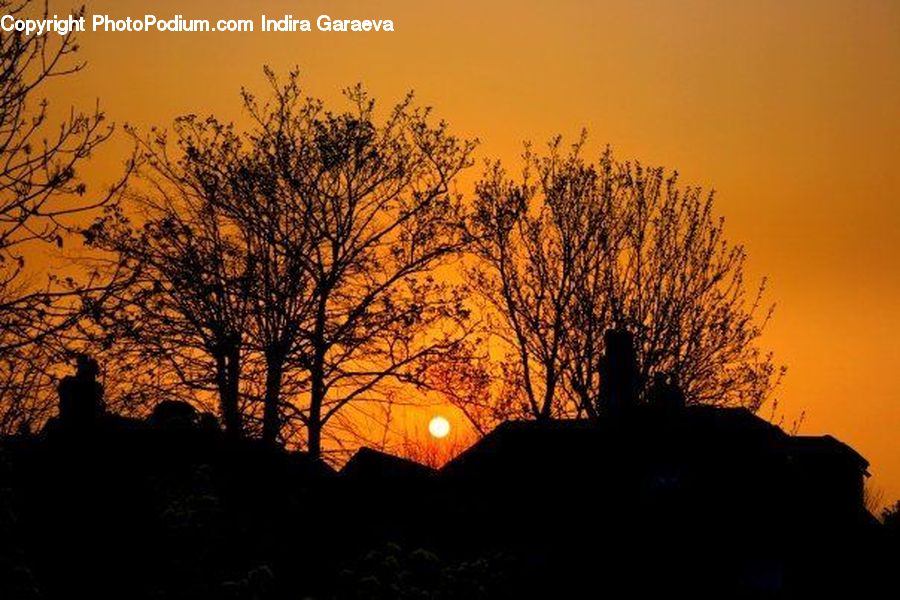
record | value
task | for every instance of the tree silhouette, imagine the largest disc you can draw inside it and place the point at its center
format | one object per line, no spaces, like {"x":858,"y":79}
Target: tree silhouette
{"x":573,"y":249}
{"x":486,"y":392}
{"x":27,"y":394}
{"x":305,"y":246}
{"x":180,"y":278}
{"x":41,"y":199}
{"x":371,"y":202}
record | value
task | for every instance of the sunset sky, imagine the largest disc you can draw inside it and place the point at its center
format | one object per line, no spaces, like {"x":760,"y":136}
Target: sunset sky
{"x":790,"y":110}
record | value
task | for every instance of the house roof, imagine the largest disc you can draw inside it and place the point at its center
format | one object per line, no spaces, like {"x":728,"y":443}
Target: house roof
{"x":826,"y":447}
{"x":368,"y":463}
{"x":698,"y":434}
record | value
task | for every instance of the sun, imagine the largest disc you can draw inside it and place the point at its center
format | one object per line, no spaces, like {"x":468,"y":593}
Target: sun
{"x":439,"y":427}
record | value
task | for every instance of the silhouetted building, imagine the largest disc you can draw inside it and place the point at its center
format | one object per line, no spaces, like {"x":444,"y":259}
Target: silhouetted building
{"x":384,"y":497}
{"x":651,"y":499}
{"x":829,"y":474}
{"x":715,"y":499}
{"x":619,"y":375}
{"x":81,"y":395}
{"x":374,"y":466}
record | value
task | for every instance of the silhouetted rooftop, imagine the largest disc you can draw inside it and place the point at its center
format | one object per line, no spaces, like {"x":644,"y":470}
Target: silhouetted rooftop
{"x":368,"y":463}
{"x":702,"y":437}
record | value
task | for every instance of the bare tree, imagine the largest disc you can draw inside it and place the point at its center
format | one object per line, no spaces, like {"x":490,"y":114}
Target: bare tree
{"x":180,"y":276}
{"x":378,"y":217}
{"x":27,"y":397}
{"x":305,"y":246}
{"x":539,"y":242}
{"x":40,"y":191}
{"x":274,"y":225}
{"x":485,"y":391}
{"x":42,"y":200}
{"x":573,"y":249}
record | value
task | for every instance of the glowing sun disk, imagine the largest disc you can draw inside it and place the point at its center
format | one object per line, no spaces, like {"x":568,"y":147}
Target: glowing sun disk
{"x":439,"y":427}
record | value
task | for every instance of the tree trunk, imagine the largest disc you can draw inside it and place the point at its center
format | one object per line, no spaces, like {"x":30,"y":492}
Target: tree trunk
{"x":546,"y":413}
{"x":317,"y":383}
{"x":314,"y":438}
{"x":228,"y":373}
{"x":317,"y":398}
{"x":271,"y":414}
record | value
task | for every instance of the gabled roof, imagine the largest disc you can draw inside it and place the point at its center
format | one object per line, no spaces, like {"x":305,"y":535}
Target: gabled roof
{"x":368,"y":463}
{"x":712,"y":436}
{"x":828,"y":448}
{"x":527,"y":442}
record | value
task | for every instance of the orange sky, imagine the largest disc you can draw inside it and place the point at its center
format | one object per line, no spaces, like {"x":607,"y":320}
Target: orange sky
{"x":791,"y":110}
